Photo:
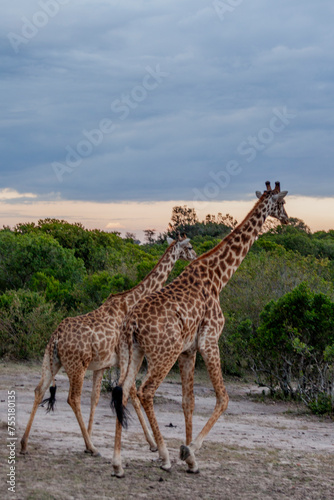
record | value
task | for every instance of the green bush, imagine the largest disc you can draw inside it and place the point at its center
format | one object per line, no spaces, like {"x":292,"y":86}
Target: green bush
{"x":293,"y":346}
{"x":265,"y":275}
{"x":22,"y":256}
{"x":26,"y":323}
{"x":59,"y":293}
{"x":234,"y":346}
{"x":322,"y":404}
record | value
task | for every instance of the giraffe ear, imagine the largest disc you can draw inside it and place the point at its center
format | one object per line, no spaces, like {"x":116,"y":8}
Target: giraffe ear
{"x":184,"y":242}
{"x":258,"y":194}
{"x":170,"y":241}
{"x":280,"y":196}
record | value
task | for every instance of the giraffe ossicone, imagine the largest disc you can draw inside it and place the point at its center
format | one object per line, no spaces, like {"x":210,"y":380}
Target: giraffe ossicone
{"x":181,"y":319}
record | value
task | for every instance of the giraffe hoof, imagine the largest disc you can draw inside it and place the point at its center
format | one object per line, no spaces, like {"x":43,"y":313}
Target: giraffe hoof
{"x":184,"y":452}
{"x":153,"y":449}
{"x":166,"y":468}
{"x":119,"y":473}
{"x":23,"y":452}
{"x":192,"y":471}
{"x":93,"y":453}
{"x":119,"y":476}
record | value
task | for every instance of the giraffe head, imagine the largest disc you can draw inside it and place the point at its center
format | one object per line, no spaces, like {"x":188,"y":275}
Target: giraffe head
{"x":183,"y":248}
{"x":276,"y":202}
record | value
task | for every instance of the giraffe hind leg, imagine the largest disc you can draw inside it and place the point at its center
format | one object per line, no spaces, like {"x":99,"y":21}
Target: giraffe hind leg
{"x":136,"y":405}
{"x":120,"y":395}
{"x":155,"y":375}
{"x":95,"y":396}
{"x":44,"y":383}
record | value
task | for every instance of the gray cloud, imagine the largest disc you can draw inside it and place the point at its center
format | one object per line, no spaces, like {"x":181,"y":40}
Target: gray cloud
{"x":166,"y":137}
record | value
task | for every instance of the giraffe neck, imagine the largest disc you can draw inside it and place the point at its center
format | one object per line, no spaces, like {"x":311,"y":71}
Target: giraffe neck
{"x":152,"y":282}
{"x":159,"y":274}
{"x":225,"y":258}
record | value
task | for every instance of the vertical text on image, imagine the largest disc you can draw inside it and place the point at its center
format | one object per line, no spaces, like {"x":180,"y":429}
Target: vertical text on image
{"x":11,"y":441}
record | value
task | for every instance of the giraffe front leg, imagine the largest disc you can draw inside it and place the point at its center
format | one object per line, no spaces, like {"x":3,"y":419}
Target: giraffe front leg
{"x":211,"y":357}
{"x":187,"y":368}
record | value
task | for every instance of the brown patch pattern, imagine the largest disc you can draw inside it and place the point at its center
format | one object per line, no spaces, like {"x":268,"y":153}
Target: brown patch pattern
{"x":90,"y":341}
{"x":181,"y":319}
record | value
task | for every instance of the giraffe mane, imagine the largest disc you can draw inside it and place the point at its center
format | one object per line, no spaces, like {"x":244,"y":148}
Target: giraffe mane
{"x":235,"y":231}
{"x":120,"y":294}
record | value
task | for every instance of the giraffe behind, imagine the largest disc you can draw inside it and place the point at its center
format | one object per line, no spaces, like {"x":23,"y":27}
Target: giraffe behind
{"x":90,"y":342}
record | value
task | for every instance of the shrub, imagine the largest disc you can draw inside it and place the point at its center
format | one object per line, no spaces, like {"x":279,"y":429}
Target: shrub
{"x":26,"y":323}
{"x":24,"y":255}
{"x":322,"y":404}
{"x":293,"y":347}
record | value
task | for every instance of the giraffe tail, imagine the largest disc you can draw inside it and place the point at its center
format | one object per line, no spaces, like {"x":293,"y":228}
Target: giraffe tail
{"x":122,"y":413}
{"x":54,"y":367}
{"x":51,"y":401}
{"x":125,"y":349}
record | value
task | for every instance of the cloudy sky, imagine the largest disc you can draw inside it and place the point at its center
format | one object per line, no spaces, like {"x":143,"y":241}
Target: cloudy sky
{"x":114,"y":111}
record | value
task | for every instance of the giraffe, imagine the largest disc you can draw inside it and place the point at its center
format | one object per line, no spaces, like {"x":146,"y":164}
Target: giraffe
{"x":90,"y":341}
{"x":179,"y":320}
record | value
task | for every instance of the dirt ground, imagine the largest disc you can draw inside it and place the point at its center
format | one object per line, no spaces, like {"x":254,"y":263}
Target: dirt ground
{"x":257,"y":450}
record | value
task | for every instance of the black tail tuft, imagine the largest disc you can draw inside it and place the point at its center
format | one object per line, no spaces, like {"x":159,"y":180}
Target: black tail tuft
{"x":117,"y":406}
{"x":51,"y":400}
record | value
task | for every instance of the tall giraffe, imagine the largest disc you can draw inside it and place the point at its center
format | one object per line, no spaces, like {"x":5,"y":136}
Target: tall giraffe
{"x":90,"y":342}
{"x":179,"y":320}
